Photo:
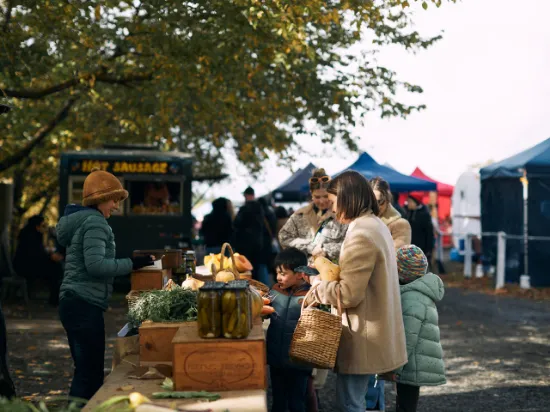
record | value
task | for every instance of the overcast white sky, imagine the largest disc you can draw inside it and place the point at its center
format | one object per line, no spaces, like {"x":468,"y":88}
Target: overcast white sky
{"x":486,"y":85}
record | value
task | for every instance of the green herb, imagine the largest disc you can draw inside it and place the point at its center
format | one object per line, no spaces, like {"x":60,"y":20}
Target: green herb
{"x":187,"y":395}
{"x":324,"y":308}
{"x":177,"y":305}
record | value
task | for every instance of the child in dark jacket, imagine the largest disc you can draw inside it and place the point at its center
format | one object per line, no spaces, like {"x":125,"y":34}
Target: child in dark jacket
{"x":289,"y":381}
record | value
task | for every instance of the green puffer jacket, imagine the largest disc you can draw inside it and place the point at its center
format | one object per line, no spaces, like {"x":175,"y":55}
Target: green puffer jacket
{"x":425,"y":366}
{"x":90,"y":263}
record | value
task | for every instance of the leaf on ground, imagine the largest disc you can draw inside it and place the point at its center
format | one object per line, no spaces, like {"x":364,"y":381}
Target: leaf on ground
{"x":126,"y":388}
{"x":458,"y":323}
{"x":31,"y":348}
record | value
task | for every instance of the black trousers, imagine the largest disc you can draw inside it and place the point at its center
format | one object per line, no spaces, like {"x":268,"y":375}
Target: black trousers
{"x":407,"y":398}
{"x":289,"y":389}
{"x":7,"y":388}
{"x":85,"y":329}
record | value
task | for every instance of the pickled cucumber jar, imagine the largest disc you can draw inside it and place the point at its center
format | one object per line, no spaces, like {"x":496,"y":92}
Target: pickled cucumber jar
{"x":236,"y":310}
{"x":209,"y":308}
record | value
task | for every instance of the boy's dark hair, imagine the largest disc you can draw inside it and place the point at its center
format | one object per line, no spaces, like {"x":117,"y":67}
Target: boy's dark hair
{"x":290,"y":259}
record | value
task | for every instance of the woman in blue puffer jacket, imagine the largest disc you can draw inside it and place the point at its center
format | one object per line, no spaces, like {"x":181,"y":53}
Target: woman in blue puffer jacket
{"x":90,"y":269}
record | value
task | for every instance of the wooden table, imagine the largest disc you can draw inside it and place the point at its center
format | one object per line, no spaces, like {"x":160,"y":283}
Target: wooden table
{"x":235,"y":401}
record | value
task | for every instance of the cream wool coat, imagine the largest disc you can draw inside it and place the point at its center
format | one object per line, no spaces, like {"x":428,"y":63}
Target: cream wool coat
{"x":400,"y":228}
{"x":373,"y":337}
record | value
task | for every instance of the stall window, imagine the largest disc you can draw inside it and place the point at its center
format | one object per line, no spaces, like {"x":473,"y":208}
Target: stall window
{"x":76,"y":188}
{"x":155,"y":197}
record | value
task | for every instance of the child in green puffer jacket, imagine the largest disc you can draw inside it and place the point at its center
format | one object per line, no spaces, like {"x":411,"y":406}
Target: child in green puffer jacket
{"x":419,"y":292}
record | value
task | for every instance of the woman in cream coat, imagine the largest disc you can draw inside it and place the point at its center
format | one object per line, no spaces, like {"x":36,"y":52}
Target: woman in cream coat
{"x":373,"y":338}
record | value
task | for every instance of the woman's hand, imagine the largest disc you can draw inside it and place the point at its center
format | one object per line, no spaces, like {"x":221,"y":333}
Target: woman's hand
{"x":318,"y":251}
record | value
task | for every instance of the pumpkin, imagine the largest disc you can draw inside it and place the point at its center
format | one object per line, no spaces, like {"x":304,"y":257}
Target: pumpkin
{"x":327,"y":270}
{"x":242,"y":263}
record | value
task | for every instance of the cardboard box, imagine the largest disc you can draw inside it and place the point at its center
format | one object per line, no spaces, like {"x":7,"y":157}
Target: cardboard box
{"x":219,"y":364}
{"x":155,"y":341}
{"x":150,"y":279}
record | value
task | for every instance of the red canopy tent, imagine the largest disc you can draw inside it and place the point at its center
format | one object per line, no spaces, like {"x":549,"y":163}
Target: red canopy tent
{"x":441,"y":198}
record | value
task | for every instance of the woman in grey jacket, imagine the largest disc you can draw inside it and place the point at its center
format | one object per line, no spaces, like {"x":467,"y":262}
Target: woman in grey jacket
{"x":88,"y":280}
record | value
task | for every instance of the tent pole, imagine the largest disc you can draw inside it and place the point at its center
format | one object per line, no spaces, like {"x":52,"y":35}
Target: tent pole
{"x":524,"y":279}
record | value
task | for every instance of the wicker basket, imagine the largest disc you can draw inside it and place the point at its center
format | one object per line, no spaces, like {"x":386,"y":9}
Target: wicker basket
{"x":317,"y":336}
{"x":262,"y":287}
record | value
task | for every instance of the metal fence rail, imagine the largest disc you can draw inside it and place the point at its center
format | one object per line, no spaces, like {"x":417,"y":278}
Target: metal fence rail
{"x":502,"y":238}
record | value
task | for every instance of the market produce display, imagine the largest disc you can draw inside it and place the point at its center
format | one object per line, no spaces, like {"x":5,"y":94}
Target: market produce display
{"x":176,"y":305}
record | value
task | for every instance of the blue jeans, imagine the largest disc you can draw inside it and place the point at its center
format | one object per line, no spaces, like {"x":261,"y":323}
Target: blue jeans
{"x":375,"y":395}
{"x":350,"y":392}
{"x":289,"y":389}
{"x":85,"y":329}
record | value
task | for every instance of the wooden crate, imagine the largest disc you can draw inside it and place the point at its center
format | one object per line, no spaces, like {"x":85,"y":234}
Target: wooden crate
{"x":219,"y":364}
{"x":150,"y":279}
{"x":155,"y":341}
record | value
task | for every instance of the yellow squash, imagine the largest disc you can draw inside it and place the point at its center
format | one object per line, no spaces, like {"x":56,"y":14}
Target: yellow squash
{"x":327,"y":270}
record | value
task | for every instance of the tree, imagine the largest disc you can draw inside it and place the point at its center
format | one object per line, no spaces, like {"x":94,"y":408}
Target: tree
{"x":248,"y":75}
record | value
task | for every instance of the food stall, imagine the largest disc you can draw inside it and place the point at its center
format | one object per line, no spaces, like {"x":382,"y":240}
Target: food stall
{"x":159,"y":187}
{"x":199,"y":346}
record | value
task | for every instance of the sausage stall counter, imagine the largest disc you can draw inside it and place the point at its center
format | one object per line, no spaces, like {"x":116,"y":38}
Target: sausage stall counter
{"x":157,"y":213}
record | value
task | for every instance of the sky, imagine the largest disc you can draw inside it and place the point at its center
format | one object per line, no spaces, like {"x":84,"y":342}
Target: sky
{"x":486,"y":87}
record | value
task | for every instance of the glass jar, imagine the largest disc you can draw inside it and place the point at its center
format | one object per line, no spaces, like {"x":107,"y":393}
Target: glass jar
{"x":209,"y":308}
{"x":236,"y":310}
{"x":190,"y":262}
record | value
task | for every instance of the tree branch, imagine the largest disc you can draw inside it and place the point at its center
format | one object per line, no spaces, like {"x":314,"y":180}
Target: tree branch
{"x":99,"y":77}
{"x":38,"y":137}
{"x":7,"y":15}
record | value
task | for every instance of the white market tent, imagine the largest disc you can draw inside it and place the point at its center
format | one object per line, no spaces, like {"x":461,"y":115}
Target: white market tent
{"x":466,"y":206}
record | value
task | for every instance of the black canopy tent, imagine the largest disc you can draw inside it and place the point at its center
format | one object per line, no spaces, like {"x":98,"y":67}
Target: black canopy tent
{"x":515,"y":199}
{"x":295,"y":188}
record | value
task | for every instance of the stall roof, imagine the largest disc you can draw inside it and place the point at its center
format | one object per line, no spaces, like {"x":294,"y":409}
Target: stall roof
{"x":399,"y":182}
{"x":536,"y":161}
{"x":131,"y":153}
{"x":296,"y":187}
{"x":442,"y":188}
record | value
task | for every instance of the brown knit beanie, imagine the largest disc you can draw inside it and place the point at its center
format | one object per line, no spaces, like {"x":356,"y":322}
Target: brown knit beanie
{"x":101,"y":186}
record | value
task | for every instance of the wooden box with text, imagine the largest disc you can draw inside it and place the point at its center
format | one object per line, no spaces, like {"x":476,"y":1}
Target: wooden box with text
{"x":219,"y":364}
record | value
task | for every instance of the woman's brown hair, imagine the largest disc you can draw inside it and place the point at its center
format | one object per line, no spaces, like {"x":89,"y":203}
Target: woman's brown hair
{"x":319,"y":179}
{"x":383,"y":187}
{"x":354,"y":195}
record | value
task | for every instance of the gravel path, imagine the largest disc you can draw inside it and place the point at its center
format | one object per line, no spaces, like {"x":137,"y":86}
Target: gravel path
{"x":497,"y":352}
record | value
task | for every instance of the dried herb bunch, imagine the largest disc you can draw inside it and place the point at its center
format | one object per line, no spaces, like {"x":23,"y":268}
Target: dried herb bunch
{"x":177,"y":305}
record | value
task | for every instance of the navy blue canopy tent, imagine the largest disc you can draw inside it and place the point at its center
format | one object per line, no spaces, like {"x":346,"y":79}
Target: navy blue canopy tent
{"x":296,"y":187}
{"x":399,"y":183}
{"x":502,"y":209}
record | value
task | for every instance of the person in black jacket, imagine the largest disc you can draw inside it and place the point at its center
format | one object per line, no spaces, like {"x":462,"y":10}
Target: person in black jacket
{"x":421,"y":225}
{"x":250,"y":239}
{"x":33,"y":261}
{"x":217,"y":226}
{"x":7,"y":388}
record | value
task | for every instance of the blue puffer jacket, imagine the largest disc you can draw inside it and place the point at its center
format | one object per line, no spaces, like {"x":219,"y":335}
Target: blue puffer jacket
{"x":90,"y":263}
{"x":288,"y":307}
{"x":425,"y":366}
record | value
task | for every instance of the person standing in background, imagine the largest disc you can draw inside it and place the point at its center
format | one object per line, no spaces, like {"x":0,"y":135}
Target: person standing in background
{"x":7,"y":388}
{"x":421,"y":225}
{"x":217,"y":226}
{"x":249,"y":229}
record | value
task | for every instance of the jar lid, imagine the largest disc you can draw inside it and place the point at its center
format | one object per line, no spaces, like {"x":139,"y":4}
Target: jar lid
{"x":237,"y":285}
{"x":212,"y":286}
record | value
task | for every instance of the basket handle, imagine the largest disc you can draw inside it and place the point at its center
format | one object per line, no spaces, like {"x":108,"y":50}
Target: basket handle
{"x":314,"y":292}
{"x":231,"y":254}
